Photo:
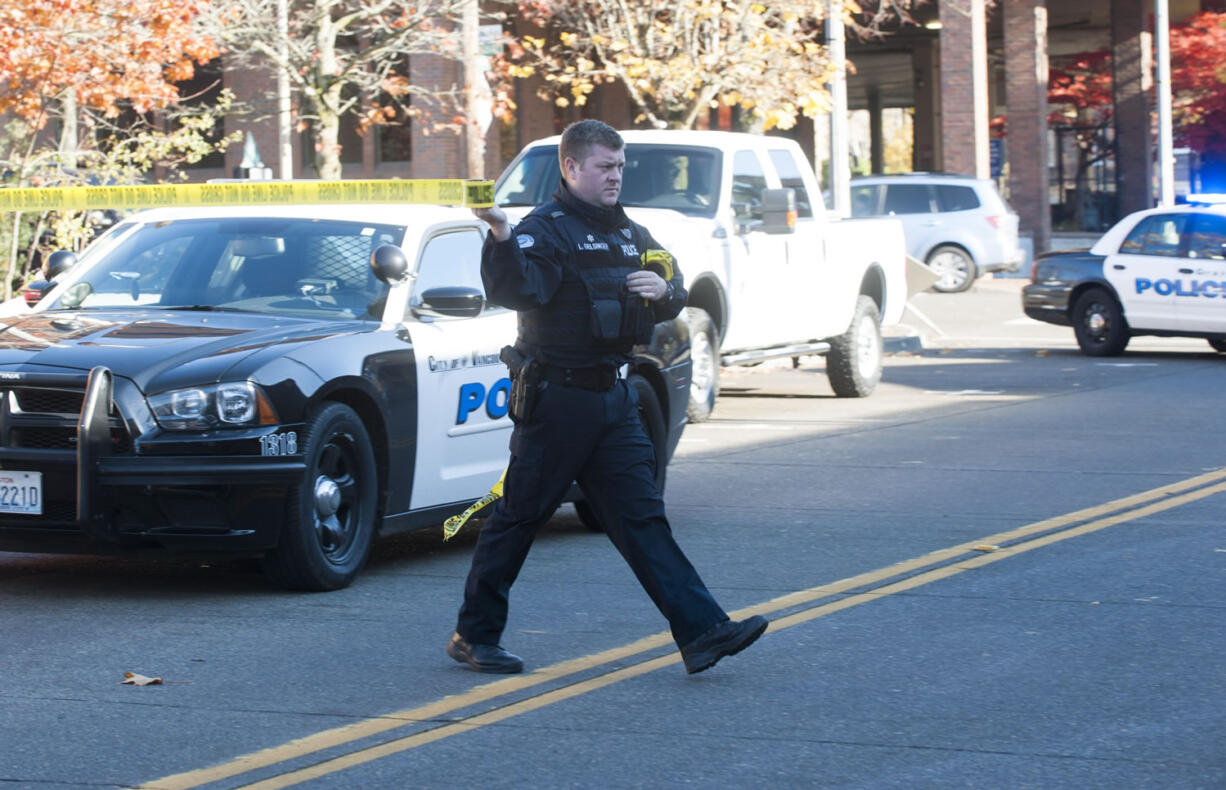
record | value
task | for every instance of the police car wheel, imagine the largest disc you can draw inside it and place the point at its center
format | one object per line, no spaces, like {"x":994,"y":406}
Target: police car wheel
{"x":330,"y":517}
{"x":955,"y":266}
{"x":853,"y":364}
{"x":1218,"y":343}
{"x":1098,"y":323}
{"x":652,"y":416}
{"x":704,"y":353}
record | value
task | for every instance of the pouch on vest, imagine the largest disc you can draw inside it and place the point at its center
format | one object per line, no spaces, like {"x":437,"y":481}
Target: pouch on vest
{"x":637,"y":322}
{"x":606,"y":320}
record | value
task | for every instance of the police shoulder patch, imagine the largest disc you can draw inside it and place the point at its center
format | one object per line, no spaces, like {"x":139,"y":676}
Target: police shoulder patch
{"x":525,"y":240}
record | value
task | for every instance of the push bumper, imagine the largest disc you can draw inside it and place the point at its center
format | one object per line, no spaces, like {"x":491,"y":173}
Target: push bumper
{"x":96,"y":500}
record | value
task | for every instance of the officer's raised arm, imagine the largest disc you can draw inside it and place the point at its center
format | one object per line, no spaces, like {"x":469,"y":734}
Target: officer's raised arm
{"x":519,"y":267}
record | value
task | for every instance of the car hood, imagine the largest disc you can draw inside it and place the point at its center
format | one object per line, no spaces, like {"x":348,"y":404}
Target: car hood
{"x":156,"y":349}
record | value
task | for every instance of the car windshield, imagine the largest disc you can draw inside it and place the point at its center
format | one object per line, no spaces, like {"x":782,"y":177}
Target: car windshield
{"x":301,"y":267}
{"x":681,"y":178}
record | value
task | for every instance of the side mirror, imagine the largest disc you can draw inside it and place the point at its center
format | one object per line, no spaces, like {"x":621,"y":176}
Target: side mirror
{"x":389,"y":263}
{"x":59,"y":262}
{"x":779,"y":210}
{"x":35,"y":291}
{"x":451,"y":302}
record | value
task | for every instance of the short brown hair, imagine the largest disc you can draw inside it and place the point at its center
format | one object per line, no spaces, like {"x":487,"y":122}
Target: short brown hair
{"x":580,"y":136}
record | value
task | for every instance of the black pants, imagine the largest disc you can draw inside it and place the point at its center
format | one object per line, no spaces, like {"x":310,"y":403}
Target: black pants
{"x":594,"y":438}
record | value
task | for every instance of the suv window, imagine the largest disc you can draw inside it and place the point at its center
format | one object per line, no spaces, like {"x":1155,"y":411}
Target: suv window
{"x":956,"y":198}
{"x":907,"y":199}
{"x":790,"y":176}
{"x":1208,"y":237}
{"x":1156,"y":235}
{"x":864,"y":200}
{"x":748,"y":181}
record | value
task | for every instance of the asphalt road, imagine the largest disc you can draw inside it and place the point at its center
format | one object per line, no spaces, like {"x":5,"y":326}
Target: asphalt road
{"x":1003,"y":570}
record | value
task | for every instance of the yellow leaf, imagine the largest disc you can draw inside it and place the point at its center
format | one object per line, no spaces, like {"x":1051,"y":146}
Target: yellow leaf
{"x":133,"y":679}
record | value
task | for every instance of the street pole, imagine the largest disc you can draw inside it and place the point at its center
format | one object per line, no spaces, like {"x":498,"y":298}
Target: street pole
{"x":840,"y":169}
{"x":474,"y":135}
{"x":1166,"y":152}
{"x":285,"y":142}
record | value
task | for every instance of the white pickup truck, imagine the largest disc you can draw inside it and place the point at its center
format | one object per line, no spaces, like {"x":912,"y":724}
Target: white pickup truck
{"x":770,"y":272}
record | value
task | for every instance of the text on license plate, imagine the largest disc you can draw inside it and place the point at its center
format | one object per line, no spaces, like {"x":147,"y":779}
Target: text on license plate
{"x":21,"y":492}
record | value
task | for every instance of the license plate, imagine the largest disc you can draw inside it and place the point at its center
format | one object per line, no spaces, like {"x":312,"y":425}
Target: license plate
{"x":21,"y":492}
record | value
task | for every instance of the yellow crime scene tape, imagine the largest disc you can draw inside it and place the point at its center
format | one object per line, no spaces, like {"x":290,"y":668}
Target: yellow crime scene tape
{"x":452,"y":525}
{"x":443,"y":191}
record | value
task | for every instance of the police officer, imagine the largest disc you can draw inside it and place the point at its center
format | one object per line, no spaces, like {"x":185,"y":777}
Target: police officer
{"x":573,"y":269}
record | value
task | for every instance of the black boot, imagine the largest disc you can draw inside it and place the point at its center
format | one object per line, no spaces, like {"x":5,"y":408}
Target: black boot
{"x":484,"y":658}
{"x":726,"y":639}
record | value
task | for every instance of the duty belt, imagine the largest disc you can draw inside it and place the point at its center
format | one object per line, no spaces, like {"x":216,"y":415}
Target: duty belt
{"x":599,"y":378}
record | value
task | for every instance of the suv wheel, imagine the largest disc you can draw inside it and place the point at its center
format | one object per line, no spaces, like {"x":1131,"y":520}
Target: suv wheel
{"x":955,"y":266}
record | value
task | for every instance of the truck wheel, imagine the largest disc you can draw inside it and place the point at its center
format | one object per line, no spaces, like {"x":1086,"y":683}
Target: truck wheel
{"x":704,"y":351}
{"x":853,"y":363}
{"x":330,"y":521}
{"x":956,"y":268}
{"x":1099,"y":324}
{"x":651,"y":414}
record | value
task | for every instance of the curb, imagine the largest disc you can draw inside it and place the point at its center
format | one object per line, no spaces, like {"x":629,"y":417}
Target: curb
{"x":906,"y":344}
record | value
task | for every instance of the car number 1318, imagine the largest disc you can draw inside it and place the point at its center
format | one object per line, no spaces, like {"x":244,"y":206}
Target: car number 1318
{"x":21,"y":492}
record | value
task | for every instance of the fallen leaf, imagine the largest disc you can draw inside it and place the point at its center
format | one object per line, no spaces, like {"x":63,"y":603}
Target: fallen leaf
{"x":1042,"y":352}
{"x":986,"y":547}
{"x":133,"y":679}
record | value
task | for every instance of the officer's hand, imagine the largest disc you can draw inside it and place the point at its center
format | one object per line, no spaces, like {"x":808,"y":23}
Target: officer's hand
{"x":496,"y":218}
{"x":647,"y":284}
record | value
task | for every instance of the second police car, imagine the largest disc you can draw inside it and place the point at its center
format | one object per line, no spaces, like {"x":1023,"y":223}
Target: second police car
{"x":286,"y":382}
{"x":1156,"y":272}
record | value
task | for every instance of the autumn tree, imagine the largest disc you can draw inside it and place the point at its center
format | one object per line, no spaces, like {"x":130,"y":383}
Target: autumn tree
{"x":677,"y":58}
{"x":345,"y":58}
{"x":94,"y":67}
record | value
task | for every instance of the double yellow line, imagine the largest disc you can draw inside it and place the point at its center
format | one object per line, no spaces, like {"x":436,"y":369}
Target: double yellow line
{"x":799,"y":607}
{"x":440,"y":191}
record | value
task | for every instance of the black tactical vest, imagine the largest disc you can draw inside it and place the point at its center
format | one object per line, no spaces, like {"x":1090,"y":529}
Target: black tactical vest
{"x":591,"y":311}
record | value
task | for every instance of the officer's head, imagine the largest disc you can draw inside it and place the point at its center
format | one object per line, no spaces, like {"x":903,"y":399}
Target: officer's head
{"x":592,"y":156}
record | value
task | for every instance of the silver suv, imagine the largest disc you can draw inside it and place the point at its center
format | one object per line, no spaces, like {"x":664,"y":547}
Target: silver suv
{"x":959,"y":225}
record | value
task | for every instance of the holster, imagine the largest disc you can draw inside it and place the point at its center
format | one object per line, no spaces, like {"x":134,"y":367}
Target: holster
{"x":525,"y":383}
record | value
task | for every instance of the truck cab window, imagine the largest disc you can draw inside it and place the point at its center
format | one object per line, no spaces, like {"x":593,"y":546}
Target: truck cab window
{"x":748,"y":181}
{"x":790,"y":176}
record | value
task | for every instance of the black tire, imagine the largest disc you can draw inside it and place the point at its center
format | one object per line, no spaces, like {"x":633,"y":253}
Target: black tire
{"x":1218,"y":343}
{"x":854,"y":361}
{"x":1099,"y":324}
{"x":652,"y":416}
{"x":704,"y":353}
{"x":331,"y":514}
{"x":955,"y":266}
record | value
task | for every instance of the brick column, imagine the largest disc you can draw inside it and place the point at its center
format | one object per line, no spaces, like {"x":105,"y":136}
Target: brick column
{"x":964,"y":87}
{"x":1132,"y":64}
{"x":926,"y":153}
{"x":1026,"y":106}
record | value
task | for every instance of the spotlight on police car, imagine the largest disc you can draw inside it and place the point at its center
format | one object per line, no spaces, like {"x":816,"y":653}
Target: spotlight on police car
{"x":389,"y":263}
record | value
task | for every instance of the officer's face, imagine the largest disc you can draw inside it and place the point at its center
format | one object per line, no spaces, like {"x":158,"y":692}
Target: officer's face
{"x":598,"y":178}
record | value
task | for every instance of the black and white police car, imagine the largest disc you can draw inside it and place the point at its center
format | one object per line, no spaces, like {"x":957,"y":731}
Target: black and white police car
{"x":1156,"y":272}
{"x":283,"y":382}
